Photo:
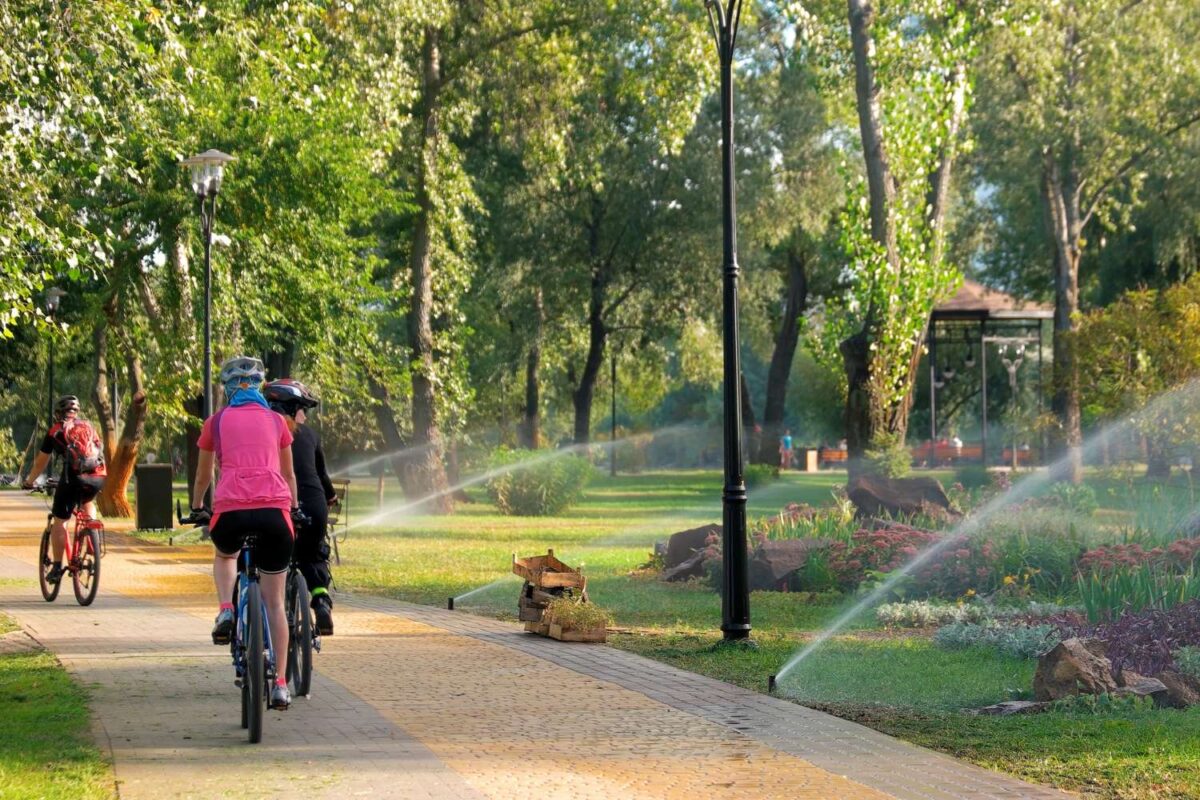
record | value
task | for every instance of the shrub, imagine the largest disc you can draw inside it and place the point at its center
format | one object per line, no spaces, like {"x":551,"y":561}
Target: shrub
{"x":1187,"y":660}
{"x":1179,"y":556}
{"x":760,"y":475}
{"x":1079,"y":498}
{"x":1106,"y":596}
{"x":532,"y":483}
{"x":878,"y":551}
{"x":888,"y":457}
{"x":962,"y":566}
{"x":924,"y":614}
{"x":1144,"y":642}
{"x":1020,"y":641}
{"x":973,"y":476}
{"x":1041,"y":543}
{"x":632,"y":450}
{"x":800,"y":521}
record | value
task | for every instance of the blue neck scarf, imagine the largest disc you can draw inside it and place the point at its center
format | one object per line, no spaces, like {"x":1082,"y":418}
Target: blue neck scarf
{"x":239,"y":396}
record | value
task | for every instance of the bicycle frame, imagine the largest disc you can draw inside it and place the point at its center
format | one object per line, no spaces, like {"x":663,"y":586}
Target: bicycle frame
{"x":248,"y":572}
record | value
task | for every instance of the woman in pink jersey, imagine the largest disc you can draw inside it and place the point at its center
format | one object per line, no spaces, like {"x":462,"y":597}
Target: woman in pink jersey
{"x":256,"y":493}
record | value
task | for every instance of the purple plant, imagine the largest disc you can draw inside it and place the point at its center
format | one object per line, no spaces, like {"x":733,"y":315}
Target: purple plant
{"x":1143,"y":642}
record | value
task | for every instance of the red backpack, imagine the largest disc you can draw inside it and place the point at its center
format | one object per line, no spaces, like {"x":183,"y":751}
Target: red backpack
{"x":84,"y":454}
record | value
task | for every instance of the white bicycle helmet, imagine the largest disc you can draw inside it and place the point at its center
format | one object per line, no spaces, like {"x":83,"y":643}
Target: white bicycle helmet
{"x":246,"y":370}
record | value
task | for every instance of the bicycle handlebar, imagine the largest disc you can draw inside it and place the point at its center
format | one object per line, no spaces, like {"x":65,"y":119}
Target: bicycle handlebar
{"x":194,"y":517}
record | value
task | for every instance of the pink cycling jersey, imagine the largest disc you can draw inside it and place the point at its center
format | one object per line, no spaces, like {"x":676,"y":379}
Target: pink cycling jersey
{"x":247,"y":447}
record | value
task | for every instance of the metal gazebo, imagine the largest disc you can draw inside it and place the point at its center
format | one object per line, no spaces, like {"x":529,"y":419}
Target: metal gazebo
{"x":979,"y":317}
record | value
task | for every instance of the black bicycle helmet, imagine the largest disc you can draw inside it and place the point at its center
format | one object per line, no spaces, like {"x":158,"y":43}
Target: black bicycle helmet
{"x":287,"y":396}
{"x":65,"y":405}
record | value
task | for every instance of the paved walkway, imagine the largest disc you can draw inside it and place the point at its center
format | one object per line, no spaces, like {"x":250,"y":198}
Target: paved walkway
{"x":417,"y":702}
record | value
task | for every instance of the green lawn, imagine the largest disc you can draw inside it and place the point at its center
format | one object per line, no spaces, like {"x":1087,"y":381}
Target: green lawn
{"x":45,"y":749}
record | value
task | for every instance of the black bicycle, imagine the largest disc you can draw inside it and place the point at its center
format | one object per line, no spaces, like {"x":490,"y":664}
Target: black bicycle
{"x":303,"y":637}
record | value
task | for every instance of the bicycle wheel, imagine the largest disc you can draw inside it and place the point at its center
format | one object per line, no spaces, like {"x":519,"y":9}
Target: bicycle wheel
{"x":255,"y":675}
{"x":300,"y":640}
{"x":45,"y":564}
{"x":86,"y":576}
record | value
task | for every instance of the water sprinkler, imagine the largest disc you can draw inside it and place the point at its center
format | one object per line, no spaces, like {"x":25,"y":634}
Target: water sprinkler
{"x":771,"y":685}
{"x":450,"y":604}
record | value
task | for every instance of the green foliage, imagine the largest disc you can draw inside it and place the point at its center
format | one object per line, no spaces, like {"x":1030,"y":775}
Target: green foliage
{"x":1143,"y":345}
{"x":760,"y":475}
{"x":1041,"y":545}
{"x":1187,"y":660}
{"x":1077,"y":498}
{"x":1016,"y":641}
{"x":1107,"y":596}
{"x":925,"y":613}
{"x":972,"y":476}
{"x":532,"y":483}
{"x":888,"y":457}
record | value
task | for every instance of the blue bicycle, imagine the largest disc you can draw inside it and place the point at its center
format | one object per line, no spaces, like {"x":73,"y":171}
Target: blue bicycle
{"x":253,"y":656}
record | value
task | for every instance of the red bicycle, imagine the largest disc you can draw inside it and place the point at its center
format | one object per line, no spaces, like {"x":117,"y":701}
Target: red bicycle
{"x":82,"y":554}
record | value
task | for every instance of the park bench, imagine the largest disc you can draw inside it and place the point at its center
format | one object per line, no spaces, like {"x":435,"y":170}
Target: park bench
{"x":831,"y":456}
{"x":339,"y":517}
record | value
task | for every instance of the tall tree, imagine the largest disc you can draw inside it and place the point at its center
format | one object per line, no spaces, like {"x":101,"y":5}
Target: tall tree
{"x":1086,"y":96}
{"x":912,"y":93}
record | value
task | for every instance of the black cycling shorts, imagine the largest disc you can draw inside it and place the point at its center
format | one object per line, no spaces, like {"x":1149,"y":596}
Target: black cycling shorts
{"x":273,"y":536}
{"x":73,"y":493}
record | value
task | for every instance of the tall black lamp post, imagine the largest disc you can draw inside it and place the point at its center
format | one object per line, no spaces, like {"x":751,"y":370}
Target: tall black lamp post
{"x":54,"y":296}
{"x":724,"y":17}
{"x":208,"y":169}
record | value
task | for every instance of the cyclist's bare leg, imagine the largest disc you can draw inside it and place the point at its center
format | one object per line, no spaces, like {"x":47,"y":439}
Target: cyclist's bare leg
{"x":225,"y":576}
{"x":273,"y":585}
{"x":58,"y":538}
{"x":89,"y":509}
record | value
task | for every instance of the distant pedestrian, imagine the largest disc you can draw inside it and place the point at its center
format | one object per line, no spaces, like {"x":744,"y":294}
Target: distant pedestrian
{"x":785,"y":450}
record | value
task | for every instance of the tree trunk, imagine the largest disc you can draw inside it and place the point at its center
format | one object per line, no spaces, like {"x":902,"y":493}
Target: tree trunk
{"x":880,"y":183}
{"x":105,"y":414}
{"x":1060,"y":190}
{"x":856,"y":355}
{"x":597,"y":338}
{"x":795,"y":300}
{"x":427,"y":474}
{"x":113,"y":499}
{"x":1158,"y":461}
{"x":279,"y":361}
{"x":531,"y":424}
{"x":385,"y":417}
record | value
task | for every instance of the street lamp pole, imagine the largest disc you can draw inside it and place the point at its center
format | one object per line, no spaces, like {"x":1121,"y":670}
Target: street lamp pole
{"x":207,"y":169}
{"x":612,"y":456}
{"x":723,"y":18}
{"x":54,"y":296}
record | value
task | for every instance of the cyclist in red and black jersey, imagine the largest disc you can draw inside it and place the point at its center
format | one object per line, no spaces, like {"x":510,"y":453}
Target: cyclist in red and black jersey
{"x":82,"y":478}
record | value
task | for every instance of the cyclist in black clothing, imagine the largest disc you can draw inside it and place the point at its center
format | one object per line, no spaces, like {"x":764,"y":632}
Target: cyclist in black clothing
{"x":292,"y":399}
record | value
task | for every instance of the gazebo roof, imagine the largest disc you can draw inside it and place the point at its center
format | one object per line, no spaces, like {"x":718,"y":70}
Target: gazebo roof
{"x":973,"y":300}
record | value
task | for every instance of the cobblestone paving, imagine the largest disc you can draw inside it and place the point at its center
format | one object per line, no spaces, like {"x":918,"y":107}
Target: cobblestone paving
{"x":412,"y":701}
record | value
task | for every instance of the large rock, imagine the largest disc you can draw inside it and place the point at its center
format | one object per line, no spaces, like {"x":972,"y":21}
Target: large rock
{"x":683,"y":545}
{"x":1131,"y":683}
{"x":1076,"y":666}
{"x":1182,"y":690}
{"x":899,"y":497}
{"x":1010,"y":707}
{"x":692,"y":568}
{"x":774,"y":562}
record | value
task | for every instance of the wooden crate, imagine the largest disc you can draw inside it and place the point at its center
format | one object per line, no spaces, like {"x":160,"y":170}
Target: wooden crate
{"x":591,"y":635}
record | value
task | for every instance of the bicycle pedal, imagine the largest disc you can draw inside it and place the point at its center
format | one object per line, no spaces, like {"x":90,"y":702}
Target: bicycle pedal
{"x":237,"y":682}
